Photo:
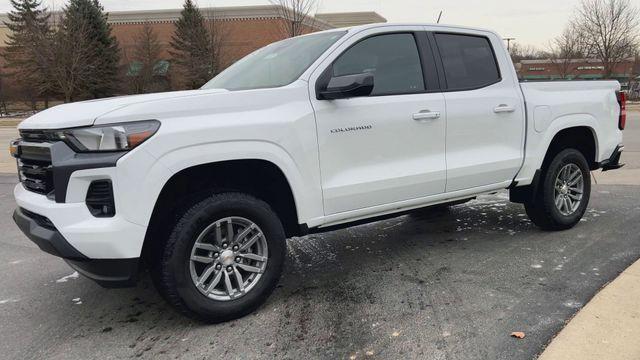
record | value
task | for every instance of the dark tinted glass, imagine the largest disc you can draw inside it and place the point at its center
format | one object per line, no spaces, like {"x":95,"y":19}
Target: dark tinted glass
{"x":468,"y":61}
{"x":393,"y":59}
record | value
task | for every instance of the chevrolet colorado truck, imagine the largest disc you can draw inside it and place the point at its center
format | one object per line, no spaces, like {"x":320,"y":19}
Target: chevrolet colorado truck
{"x":306,"y":135}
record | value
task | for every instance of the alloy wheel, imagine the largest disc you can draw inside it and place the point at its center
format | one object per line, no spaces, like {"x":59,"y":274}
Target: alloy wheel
{"x":569,"y":189}
{"x":228,"y":258}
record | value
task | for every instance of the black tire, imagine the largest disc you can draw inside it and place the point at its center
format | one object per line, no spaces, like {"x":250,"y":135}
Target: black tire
{"x":542,"y":210}
{"x":173,"y":277}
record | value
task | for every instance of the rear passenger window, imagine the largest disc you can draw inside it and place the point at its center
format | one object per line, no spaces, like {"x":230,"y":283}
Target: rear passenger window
{"x":468,"y":61}
{"x":393,"y":60}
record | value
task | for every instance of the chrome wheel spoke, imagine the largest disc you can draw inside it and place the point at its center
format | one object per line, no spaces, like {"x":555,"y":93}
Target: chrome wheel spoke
{"x":250,"y":242}
{"x":243,"y":234}
{"x":568,"y":205}
{"x":255,"y":257}
{"x":559,"y":202}
{"x":575,"y":178}
{"x":201,"y":259}
{"x":214,"y":282}
{"x":202,"y":279}
{"x":218,"y":233}
{"x":250,"y":268}
{"x":239,"y":279}
{"x":227,"y":284}
{"x":568,"y":189}
{"x":574,"y":197}
{"x":229,"y":231}
{"x":207,"y":247}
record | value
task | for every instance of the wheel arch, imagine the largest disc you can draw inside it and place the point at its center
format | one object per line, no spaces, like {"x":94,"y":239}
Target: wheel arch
{"x":583,"y":138}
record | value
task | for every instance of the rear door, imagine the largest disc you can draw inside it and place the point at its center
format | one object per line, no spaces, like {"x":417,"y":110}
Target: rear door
{"x":485,"y":115}
{"x":390,"y":146}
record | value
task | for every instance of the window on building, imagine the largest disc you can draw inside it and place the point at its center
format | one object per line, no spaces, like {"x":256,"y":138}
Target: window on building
{"x":468,"y":61}
{"x":393,"y":59}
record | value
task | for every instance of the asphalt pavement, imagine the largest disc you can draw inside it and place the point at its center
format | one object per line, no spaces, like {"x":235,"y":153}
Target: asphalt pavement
{"x":443,"y":285}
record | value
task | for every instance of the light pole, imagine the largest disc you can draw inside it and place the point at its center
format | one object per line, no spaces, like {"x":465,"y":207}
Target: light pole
{"x":509,"y":40}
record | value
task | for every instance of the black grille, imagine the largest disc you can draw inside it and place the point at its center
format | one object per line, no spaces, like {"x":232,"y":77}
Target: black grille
{"x":34,"y":161}
{"x":36,"y":172}
{"x":100,"y":199}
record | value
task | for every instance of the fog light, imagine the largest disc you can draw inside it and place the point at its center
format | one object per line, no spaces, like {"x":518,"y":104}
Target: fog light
{"x":100,"y":199}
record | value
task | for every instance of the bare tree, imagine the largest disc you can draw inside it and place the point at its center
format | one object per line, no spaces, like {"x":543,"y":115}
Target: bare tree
{"x":73,"y":62}
{"x":565,"y":50}
{"x":524,"y":52}
{"x":609,"y":29}
{"x":146,"y":56}
{"x":28,"y":26}
{"x":298,"y":16}
{"x":217,"y":34}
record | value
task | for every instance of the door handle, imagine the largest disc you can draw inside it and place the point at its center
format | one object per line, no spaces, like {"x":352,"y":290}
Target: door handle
{"x":503,"y":108}
{"x":426,"y":115}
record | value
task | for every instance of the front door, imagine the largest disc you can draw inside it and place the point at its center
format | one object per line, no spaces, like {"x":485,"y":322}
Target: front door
{"x":389,"y":146}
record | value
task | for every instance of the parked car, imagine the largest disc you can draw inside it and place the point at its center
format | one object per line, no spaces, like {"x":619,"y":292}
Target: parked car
{"x":306,"y":135}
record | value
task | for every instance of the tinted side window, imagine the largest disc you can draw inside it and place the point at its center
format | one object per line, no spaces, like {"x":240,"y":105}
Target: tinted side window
{"x":468,"y":61}
{"x":393,"y":59}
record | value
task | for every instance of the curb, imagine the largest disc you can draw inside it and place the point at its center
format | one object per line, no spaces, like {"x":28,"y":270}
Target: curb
{"x":607,"y":327}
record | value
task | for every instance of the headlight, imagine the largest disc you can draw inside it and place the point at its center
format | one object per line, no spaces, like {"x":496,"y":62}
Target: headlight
{"x":117,"y":137}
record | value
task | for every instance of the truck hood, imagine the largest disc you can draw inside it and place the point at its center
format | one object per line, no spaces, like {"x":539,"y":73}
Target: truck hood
{"x":85,"y":113}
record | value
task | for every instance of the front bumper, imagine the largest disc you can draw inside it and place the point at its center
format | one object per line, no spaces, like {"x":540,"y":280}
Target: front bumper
{"x":54,"y":212}
{"x":106,"y":272}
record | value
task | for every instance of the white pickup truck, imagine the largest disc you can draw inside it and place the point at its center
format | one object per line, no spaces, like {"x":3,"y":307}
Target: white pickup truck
{"x":306,"y":135}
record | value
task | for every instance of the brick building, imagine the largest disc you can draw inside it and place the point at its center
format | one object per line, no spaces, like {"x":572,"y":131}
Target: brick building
{"x":627,"y":72}
{"x":241,"y":29}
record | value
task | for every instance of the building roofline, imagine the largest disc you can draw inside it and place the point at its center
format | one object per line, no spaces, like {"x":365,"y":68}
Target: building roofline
{"x":351,"y":18}
{"x":229,"y":13}
{"x":218,"y":13}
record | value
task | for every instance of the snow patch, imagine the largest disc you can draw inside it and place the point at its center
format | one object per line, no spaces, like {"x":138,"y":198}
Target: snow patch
{"x":64,"y":279}
{"x":572,"y":304}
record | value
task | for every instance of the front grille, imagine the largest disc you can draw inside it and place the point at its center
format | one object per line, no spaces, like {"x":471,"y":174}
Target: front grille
{"x":34,"y":163}
{"x":36,"y":175}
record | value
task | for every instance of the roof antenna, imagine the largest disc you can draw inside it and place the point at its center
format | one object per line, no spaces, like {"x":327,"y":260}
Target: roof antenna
{"x":439,"y":16}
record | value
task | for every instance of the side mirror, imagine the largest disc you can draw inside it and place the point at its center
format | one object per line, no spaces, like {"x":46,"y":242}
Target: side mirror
{"x":348,"y":86}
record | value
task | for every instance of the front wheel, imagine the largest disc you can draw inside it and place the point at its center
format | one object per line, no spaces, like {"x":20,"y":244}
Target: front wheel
{"x":563,"y":194}
{"x":223,"y":258}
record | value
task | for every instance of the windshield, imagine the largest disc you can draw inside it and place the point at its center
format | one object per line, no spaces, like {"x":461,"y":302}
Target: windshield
{"x":275,"y":65}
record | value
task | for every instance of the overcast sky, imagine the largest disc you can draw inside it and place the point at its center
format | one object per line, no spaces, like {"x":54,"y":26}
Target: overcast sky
{"x":531,"y":22}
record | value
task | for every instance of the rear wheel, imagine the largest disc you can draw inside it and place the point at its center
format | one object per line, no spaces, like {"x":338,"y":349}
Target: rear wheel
{"x":563,"y":194}
{"x":223,"y":258}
